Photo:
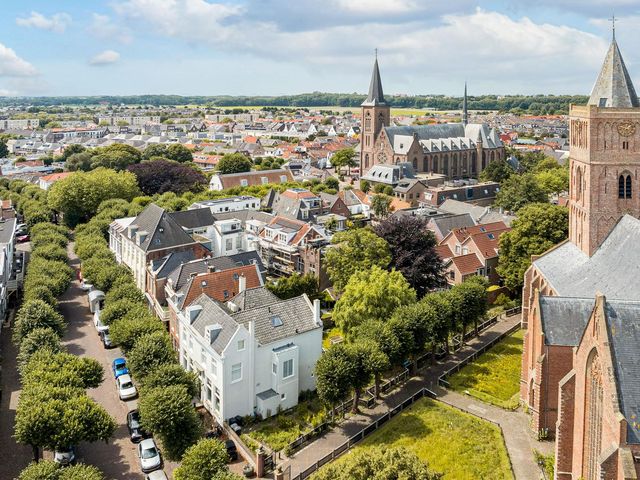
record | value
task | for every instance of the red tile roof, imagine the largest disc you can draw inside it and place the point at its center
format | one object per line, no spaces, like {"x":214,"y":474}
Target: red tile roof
{"x":467,"y":264}
{"x":215,"y":284}
{"x":444,"y":251}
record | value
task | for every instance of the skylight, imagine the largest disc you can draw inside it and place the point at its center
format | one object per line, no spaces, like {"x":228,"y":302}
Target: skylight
{"x":276,"y":321}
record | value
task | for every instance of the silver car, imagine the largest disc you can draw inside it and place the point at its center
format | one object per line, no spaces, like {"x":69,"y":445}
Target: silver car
{"x":157,"y":475}
{"x":126,"y":388}
{"x":149,"y":455}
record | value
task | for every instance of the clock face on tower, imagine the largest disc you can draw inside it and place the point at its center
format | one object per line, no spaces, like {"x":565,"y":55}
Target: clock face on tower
{"x":382,"y":157}
{"x":626,"y":129}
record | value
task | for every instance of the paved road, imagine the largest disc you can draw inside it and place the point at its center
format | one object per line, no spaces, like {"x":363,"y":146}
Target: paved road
{"x":117,"y":459}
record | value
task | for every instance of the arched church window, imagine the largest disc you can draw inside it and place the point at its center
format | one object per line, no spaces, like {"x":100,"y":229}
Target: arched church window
{"x":621,"y":186}
{"x":445,"y":164}
{"x":435,"y":163}
{"x":627,"y":187}
{"x":415,"y":164}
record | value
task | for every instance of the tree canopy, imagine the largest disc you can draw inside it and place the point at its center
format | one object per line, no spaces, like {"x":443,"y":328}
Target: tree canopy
{"x":539,"y":226}
{"x":354,"y":250}
{"x":161,"y":175}
{"x":518,"y":191}
{"x":202,"y":461}
{"x":50,"y":470}
{"x":234,"y":163}
{"x":294,"y":286}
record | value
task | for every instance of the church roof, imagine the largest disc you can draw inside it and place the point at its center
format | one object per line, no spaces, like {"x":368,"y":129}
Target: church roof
{"x":613,"y":87}
{"x":564,"y":319}
{"x":376,"y":95}
{"x":613,"y":269}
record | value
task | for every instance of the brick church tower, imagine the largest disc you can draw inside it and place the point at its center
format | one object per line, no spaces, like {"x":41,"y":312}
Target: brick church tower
{"x":376,"y":113}
{"x":604,"y":156}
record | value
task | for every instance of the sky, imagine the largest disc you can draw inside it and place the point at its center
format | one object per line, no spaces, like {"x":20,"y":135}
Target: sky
{"x":276,"y":47}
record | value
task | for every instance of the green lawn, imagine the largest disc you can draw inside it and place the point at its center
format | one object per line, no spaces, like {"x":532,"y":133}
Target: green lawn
{"x":457,"y":444}
{"x":327,"y":334}
{"x":494,"y":377}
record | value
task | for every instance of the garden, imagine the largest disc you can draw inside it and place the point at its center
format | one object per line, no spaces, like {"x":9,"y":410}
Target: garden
{"x":494,"y":377}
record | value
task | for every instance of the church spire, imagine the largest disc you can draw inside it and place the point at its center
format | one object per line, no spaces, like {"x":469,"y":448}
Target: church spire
{"x":465,"y":112}
{"x":376,"y":96}
{"x":614,"y":87}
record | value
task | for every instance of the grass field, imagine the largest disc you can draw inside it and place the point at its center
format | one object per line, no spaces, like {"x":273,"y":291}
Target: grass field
{"x":459,"y":445}
{"x":494,"y":377}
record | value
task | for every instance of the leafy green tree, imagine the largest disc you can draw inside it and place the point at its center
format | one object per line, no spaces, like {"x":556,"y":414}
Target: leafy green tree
{"x":529,"y":160}
{"x":365,"y":186}
{"x":126,"y":331}
{"x":539,"y":227}
{"x":149,"y":352}
{"x":334,"y":373}
{"x":381,"y":205}
{"x":553,"y":181}
{"x":234,"y":163}
{"x":50,"y":470}
{"x":37,"y":339}
{"x":80,"y":472}
{"x":78,"y":196}
{"x":497,"y":171}
{"x":179,"y":153}
{"x":167,"y":412}
{"x":354,"y":250}
{"x":370,"y":295}
{"x":332,"y":182}
{"x":202,"y":461}
{"x":345,"y":157}
{"x":36,"y":314}
{"x":369,"y":361}
{"x":294,"y":286}
{"x":126,"y":290}
{"x":409,"y":325}
{"x":4,"y":150}
{"x":62,"y":369}
{"x":114,"y":311}
{"x":439,"y":318}
{"x":173,"y":374}
{"x":154,"y":150}
{"x":469,"y":302}
{"x":383,"y":335}
{"x":117,"y":156}
{"x":413,"y":252}
{"x":378,"y":463}
{"x":79,"y":162}
{"x":72,"y":149}
{"x":518,"y":191}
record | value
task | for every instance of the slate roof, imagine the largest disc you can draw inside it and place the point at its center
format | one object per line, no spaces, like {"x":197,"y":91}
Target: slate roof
{"x":254,"y":297}
{"x":564,"y":319}
{"x":296,"y":315}
{"x":449,"y":222}
{"x":376,"y":95}
{"x":244,"y":215}
{"x":7,"y":228}
{"x":167,"y":264}
{"x":467,"y":134}
{"x":162,"y":230}
{"x":612,"y":270}
{"x":623,"y":328}
{"x":211,"y":314}
{"x":613,"y":87}
{"x":196,"y":218}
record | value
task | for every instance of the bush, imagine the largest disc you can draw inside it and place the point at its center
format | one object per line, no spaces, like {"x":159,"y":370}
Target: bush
{"x":36,"y":314}
{"x":126,"y":331}
{"x":149,"y":352}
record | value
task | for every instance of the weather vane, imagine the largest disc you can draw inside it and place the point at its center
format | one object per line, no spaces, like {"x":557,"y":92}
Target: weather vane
{"x":613,"y":25}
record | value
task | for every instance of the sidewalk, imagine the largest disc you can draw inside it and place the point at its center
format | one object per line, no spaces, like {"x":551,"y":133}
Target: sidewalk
{"x":519,"y":440}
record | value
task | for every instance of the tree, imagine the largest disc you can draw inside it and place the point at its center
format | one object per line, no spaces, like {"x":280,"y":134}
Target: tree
{"x":370,"y":295}
{"x":161,"y":175}
{"x":149,"y":352}
{"x":126,"y":331}
{"x":469,"y":302}
{"x":168,"y":413}
{"x":332,"y":182}
{"x":378,"y":463}
{"x":518,"y":191}
{"x":413,"y":251}
{"x":179,"y":153}
{"x":173,"y":374}
{"x":154,"y":150}
{"x":334,"y":373}
{"x":354,"y":250}
{"x":202,"y":461}
{"x":365,"y":186}
{"x":345,"y":157}
{"x":72,"y":149}
{"x":117,"y":156}
{"x":50,"y":470}
{"x":497,"y":171}
{"x":4,"y":150}
{"x":373,"y":361}
{"x":79,"y":161}
{"x":234,"y":163}
{"x":553,"y":181}
{"x":36,"y":314}
{"x":439,"y":318}
{"x":294,"y":286}
{"x":78,"y":196}
{"x":382,"y":333}
{"x":114,"y":311}
{"x":38,"y":339}
{"x":539,"y":226}
{"x":61,"y":369}
{"x":381,"y":205}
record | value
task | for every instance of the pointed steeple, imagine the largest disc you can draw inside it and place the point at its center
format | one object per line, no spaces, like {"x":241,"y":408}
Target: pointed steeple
{"x":465,"y":112}
{"x":376,"y":96}
{"x":614,"y":87}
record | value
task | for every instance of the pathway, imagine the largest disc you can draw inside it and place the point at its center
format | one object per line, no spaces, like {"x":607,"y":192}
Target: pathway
{"x":519,"y":440}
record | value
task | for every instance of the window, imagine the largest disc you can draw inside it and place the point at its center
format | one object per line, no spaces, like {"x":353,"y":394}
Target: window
{"x":287,"y":368}
{"x":305,"y":214}
{"x":452,"y":275}
{"x":628,"y":187}
{"x":240,"y":345}
{"x":244,"y":182}
{"x":274,"y":368}
{"x":624,"y":186}
{"x":625,"y":145}
{"x":283,"y":179}
{"x":214,"y":367}
{"x":236,"y":372}
{"x":229,"y":244}
{"x":283,"y":396}
{"x":238,"y":242}
{"x":264,"y":180}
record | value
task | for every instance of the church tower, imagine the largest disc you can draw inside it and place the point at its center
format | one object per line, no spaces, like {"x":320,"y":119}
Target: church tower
{"x":604,"y":155}
{"x":376,"y":114}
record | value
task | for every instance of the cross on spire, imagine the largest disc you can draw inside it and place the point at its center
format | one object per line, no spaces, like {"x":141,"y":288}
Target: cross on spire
{"x":613,"y":25}
{"x":376,"y":50}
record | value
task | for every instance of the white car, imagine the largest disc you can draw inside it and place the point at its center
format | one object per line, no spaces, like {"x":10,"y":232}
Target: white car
{"x":149,"y":455}
{"x":126,"y":388}
{"x":100,"y":327}
{"x":85,"y":286}
{"x":157,"y":475}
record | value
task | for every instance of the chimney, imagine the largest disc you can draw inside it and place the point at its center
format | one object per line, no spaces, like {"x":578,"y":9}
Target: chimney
{"x":211,"y":268}
{"x":242,"y":283}
{"x":192,"y":312}
{"x":317,"y":316}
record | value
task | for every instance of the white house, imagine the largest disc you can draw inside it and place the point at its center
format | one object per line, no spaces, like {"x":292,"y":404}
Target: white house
{"x":231,"y":204}
{"x":253,"y":357}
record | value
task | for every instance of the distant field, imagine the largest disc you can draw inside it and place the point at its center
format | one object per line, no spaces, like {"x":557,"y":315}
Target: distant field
{"x":396,"y":112}
{"x":457,"y":444}
{"x":494,"y":377}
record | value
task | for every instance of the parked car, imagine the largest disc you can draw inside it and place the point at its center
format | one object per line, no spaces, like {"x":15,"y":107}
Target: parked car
{"x":136,"y":432}
{"x":149,"y":455}
{"x":100,"y":327}
{"x":22,"y":238}
{"x":157,"y":475}
{"x":86,"y":286}
{"x":65,"y":456}
{"x":232,"y":451}
{"x":106,"y":339}
{"x":126,"y":388}
{"x":119,"y":367}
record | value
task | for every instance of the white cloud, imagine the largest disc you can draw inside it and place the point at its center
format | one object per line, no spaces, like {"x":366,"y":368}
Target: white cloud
{"x":5,"y":92}
{"x":369,"y":7}
{"x":105,"y":58}
{"x":104,"y":28}
{"x":56,"y":23}
{"x":11,"y":65}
